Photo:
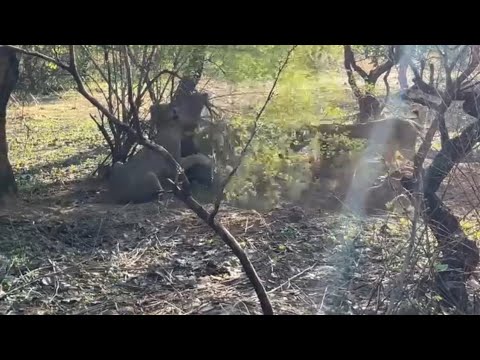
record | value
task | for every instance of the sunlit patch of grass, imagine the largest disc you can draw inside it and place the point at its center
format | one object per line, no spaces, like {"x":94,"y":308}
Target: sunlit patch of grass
{"x":333,"y":90}
{"x":436,"y":145}
{"x":299,"y":95}
{"x":53,"y":141}
{"x":471,"y":227}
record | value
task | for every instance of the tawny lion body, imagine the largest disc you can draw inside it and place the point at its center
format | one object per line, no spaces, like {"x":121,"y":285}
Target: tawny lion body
{"x":140,"y":179}
{"x":393,"y":134}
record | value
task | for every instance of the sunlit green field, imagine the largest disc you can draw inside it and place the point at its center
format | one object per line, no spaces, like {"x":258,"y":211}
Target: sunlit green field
{"x":53,"y":140}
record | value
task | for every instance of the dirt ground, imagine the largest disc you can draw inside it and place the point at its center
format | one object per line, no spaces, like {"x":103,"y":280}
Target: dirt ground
{"x":69,"y":253}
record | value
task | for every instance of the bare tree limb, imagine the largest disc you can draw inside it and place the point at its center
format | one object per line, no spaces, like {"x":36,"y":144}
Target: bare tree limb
{"x":348,"y":54}
{"x":173,"y":74}
{"x":453,"y":152}
{"x":460,"y":254}
{"x":230,"y":240}
{"x":39,"y":55}
{"x":387,"y":86}
{"x":393,"y":58}
{"x":350,"y":63}
{"x":184,"y":194}
{"x":131,"y":101}
{"x":432,"y":74}
{"x":463,"y":49}
{"x":418,"y":80}
{"x":252,"y":136}
{"x":442,"y":126}
{"x":473,"y":64}
{"x":104,"y":133}
{"x":426,"y":145}
{"x":448,"y":69}
{"x":469,"y":86}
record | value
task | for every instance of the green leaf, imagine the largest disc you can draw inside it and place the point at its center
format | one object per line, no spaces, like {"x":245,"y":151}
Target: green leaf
{"x":51,"y":66}
{"x":441,"y":267}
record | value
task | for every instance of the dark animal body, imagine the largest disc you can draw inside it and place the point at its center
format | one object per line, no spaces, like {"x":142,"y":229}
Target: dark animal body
{"x":145,"y":175}
{"x":201,"y":172}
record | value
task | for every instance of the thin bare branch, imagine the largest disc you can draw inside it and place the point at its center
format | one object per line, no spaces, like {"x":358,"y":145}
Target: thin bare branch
{"x":394,"y":55}
{"x":230,"y":240}
{"x":350,"y":76}
{"x":422,"y":152}
{"x":448,"y":69}
{"x":39,"y":55}
{"x":387,"y":86}
{"x":104,"y":133}
{"x":463,"y":49}
{"x":252,"y":136}
{"x":418,"y":80}
{"x":157,"y":76}
{"x":473,"y":64}
{"x":133,"y":107}
{"x":470,"y":86}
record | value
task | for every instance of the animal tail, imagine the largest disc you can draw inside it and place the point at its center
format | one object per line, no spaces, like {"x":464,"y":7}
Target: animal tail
{"x":195,"y":159}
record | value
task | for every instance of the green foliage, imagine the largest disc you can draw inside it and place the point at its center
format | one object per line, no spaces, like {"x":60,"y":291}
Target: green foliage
{"x":441,"y":267}
{"x":245,"y":62}
{"x":304,"y":96}
{"x":317,"y":58}
{"x":38,"y":77}
{"x":333,"y":146}
{"x":238,"y":63}
{"x":471,"y":228}
{"x":375,"y":53}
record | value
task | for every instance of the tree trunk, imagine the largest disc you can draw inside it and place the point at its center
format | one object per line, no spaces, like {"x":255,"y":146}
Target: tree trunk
{"x":8,"y":80}
{"x":442,"y":127}
{"x":370,"y":108}
{"x":460,"y":255}
{"x":402,"y":75}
